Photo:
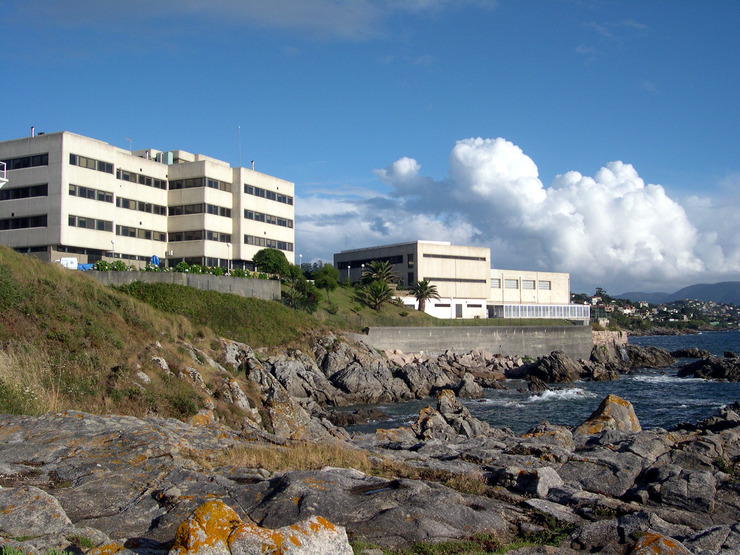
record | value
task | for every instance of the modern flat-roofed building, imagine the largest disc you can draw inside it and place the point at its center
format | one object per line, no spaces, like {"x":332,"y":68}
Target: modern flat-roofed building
{"x":467,"y":285}
{"x":69,"y":195}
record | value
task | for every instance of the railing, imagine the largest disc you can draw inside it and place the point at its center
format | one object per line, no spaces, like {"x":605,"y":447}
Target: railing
{"x":3,"y":174}
{"x":564,"y":312}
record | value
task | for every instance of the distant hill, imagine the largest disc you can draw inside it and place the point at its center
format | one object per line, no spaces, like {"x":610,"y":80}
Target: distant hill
{"x":727,"y":292}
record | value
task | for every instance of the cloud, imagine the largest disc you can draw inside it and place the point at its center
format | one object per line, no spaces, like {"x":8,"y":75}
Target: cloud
{"x":611,"y":229}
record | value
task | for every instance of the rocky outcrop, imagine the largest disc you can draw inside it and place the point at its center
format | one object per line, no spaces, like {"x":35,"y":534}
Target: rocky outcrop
{"x":613,"y":413}
{"x":713,"y":368}
{"x":151,"y":485}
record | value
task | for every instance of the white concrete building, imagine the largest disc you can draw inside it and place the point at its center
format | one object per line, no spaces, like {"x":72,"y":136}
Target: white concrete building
{"x":467,"y":285}
{"x":69,"y":195}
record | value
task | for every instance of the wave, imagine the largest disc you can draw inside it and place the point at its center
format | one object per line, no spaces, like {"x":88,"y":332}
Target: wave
{"x":560,"y":395}
{"x":664,"y":378}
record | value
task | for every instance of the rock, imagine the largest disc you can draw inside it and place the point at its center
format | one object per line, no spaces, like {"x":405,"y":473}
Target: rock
{"x":648,"y":357}
{"x":691,"y":352}
{"x":215,"y":529}
{"x":29,"y":511}
{"x":469,"y":388}
{"x":555,"y":368}
{"x":432,"y":425}
{"x":314,"y":536}
{"x":713,"y":368}
{"x":614,"y":413}
{"x":206,"y":531}
{"x":458,"y":417}
{"x":651,"y":543}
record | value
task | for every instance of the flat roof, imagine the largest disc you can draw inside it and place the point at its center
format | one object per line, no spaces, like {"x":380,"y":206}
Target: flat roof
{"x":446,"y":243}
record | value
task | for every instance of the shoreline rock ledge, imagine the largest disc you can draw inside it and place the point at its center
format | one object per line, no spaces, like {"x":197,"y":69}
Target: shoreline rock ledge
{"x":145,"y":486}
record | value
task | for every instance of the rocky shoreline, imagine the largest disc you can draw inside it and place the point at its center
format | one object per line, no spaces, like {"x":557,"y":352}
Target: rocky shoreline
{"x":152,"y":485}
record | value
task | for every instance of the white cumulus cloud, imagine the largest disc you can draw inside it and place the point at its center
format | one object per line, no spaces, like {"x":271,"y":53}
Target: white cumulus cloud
{"x":610,"y":230}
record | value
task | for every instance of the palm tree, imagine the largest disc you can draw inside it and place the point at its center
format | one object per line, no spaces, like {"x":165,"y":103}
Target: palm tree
{"x":379,"y":270}
{"x":376,"y":294}
{"x":424,"y":291}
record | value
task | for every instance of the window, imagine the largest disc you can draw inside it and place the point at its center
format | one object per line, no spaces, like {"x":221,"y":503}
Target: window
{"x":495,"y":283}
{"x":269,"y":243}
{"x":195,"y":235}
{"x":90,"y":223}
{"x":456,"y":280}
{"x":268,"y":218}
{"x":528,"y":284}
{"x":442,"y":305}
{"x":140,"y":206}
{"x":453,"y":257}
{"x":90,"y":163}
{"x":87,"y":192}
{"x":270,"y":195}
{"x":24,"y":192}
{"x":26,"y":162}
{"x":511,"y":284}
{"x":23,"y":222}
{"x":410,"y":260}
{"x":132,"y":177}
{"x":137,"y":233}
{"x":545,"y":285}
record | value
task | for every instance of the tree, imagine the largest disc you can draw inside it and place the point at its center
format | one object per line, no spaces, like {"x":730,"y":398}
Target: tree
{"x":375,"y":294}
{"x":379,"y":270}
{"x":271,"y":261}
{"x":327,"y":277}
{"x":424,"y":291}
{"x":301,"y":294}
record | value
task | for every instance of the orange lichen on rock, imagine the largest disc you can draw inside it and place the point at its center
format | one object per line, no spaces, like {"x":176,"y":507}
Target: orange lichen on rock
{"x":110,"y":548}
{"x":312,"y":536}
{"x":614,"y":413}
{"x":207,"y":530}
{"x":651,"y":543}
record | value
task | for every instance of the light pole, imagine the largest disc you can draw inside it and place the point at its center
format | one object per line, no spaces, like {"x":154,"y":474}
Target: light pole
{"x":348,"y":280}
{"x":112,"y":248}
{"x":228,"y":261}
{"x":300,"y":261}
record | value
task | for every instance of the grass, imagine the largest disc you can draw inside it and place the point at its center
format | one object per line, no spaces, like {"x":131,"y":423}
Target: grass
{"x":67,"y":342}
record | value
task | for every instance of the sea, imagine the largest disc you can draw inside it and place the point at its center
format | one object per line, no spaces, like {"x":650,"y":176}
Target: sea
{"x":661,"y":399}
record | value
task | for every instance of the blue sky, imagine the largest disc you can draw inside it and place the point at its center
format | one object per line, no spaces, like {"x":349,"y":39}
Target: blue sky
{"x":596,"y":137}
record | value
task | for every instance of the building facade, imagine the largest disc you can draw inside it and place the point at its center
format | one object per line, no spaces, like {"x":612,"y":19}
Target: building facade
{"x":467,"y":285}
{"x":69,"y":195}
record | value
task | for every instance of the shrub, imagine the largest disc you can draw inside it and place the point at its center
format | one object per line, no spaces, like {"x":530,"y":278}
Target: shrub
{"x":182,"y":267}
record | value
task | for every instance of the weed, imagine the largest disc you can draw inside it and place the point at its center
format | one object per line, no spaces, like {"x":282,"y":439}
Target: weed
{"x":78,"y":540}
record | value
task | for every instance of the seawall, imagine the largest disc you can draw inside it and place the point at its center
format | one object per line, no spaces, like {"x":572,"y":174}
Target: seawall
{"x":575,"y":341}
{"x":266,"y":289}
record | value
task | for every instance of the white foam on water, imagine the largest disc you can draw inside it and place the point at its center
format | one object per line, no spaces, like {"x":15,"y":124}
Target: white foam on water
{"x":560,"y":395}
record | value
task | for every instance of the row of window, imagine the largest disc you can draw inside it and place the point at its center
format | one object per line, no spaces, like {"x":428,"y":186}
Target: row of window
{"x":268,"y":218}
{"x":141,"y":206}
{"x":453,"y":257}
{"x":23,"y":222}
{"x":457,"y":280}
{"x":268,"y":243}
{"x":90,"y":223}
{"x":87,"y":192}
{"x":529,"y":284}
{"x":138,"y":233}
{"x":270,"y":195}
{"x":90,"y":163}
{"x":200,"y":235}
{"x":24,"y":192}
{"x":26,"y":161}
{"x":187,"y":209}
{"x":141,"y":179}
{"x":194,"y":182}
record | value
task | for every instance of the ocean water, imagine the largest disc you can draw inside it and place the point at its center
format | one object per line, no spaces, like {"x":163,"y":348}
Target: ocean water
{"x":660,"y":398}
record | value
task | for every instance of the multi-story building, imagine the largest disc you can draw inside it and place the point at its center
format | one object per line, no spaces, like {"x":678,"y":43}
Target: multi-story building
{"x":69,"y":195}
{"x":467,"y":286}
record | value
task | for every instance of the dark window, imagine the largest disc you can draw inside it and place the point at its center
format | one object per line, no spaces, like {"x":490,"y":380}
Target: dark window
{"x":26,"y":161}
{"x":23,"y":222}
{"x":24,"y":192}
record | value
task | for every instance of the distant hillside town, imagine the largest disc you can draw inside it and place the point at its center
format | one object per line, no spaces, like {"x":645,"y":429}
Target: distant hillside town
{"x":678,"y":315}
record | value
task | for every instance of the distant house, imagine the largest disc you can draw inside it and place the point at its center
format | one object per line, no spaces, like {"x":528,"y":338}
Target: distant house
{"x":467,"y":285}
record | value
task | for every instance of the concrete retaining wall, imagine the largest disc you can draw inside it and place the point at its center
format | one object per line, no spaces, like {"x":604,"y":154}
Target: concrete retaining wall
{"x":267,"y":289}
{"x":575,"y":341}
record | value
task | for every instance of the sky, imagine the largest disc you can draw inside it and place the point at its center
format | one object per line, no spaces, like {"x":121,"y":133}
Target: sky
{"x":595,"y":137}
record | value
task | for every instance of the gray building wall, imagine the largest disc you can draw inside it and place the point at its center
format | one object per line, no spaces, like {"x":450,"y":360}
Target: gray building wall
{"x":266,"y":289}
{"x":575,"y":341}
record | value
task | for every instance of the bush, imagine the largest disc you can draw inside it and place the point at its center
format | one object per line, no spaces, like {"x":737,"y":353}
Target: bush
{"x":182,"y":267}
